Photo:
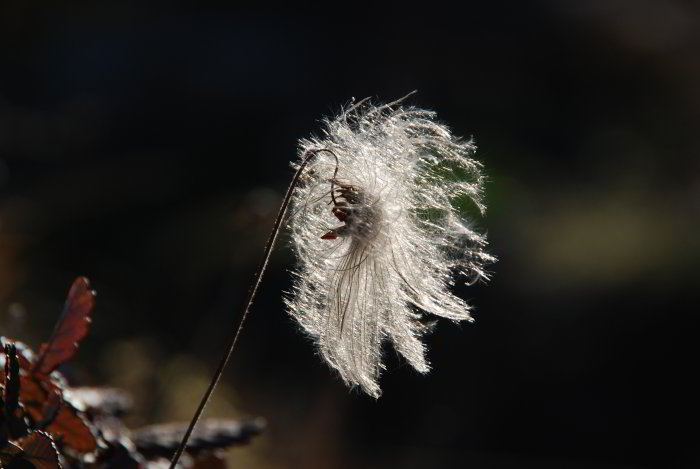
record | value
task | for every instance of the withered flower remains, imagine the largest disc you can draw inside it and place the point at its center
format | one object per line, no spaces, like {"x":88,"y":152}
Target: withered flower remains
{"x":379,"y":235}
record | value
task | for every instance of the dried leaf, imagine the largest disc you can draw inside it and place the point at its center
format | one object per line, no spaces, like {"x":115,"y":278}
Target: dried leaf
{"x":99,"y":401}
{"x":25,"y":355}
{"x":68,"y":425}
{"x":51,"y":409}
{"x":8,"y":452}
{"x":34,"y":394}
{"x":38,"y":448}
{"x":11,"y":379}
{"x":73,"y":430}
{"x":121,"y":454}
{"x":71,"y":327}
{"x":163,"y":440}
{"x":210,"y":461}
{"x":13,"y":412}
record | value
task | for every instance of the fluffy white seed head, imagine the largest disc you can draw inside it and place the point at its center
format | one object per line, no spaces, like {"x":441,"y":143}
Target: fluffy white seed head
{"x":379,"y":238}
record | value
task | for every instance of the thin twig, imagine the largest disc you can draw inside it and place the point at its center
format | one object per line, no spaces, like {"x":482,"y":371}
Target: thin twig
{"x":249,"y":300}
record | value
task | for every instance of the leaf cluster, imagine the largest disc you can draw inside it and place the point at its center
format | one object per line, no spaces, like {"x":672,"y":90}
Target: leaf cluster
{"x":47,"y":424}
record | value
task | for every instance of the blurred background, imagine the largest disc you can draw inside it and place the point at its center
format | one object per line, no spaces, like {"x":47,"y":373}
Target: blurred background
{"x":148,"y":148}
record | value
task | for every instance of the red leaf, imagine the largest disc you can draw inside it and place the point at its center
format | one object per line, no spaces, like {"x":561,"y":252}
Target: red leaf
{"x":50,"y":411}
{"x":210,"y":461}
{"x":39,"y":450}
{"x":34,"y":394}
{"x":67,"y":424}
{"x":72,"y":326}
{"x":8,"y":452}
{"x":73,"y":430}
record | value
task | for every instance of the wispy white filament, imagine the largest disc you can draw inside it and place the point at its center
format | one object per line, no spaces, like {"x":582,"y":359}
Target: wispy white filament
{"x":377,"y":230}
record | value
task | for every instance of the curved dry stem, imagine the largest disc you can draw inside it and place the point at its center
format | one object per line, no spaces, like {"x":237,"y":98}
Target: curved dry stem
{"x":249,"y":300}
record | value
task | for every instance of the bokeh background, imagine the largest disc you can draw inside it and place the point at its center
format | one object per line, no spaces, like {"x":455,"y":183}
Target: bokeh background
{"x":148,"y":148}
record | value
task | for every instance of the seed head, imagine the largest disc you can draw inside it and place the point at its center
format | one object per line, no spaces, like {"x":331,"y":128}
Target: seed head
{"x":377,"y":230}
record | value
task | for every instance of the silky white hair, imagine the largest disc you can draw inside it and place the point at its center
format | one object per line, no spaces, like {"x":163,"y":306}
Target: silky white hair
{"x":395,"y":180}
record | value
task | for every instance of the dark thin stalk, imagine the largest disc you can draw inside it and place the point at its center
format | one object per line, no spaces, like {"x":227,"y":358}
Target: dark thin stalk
{"x":249,"y":300}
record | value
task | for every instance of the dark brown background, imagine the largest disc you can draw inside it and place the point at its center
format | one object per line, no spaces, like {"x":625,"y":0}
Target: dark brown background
{"x":148,"y":148}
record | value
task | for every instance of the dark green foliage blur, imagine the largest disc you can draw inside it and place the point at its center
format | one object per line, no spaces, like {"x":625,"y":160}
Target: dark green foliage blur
{"x":148,"y":148}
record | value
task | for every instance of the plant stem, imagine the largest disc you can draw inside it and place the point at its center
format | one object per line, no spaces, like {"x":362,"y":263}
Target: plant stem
{"x":249,"y":300}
